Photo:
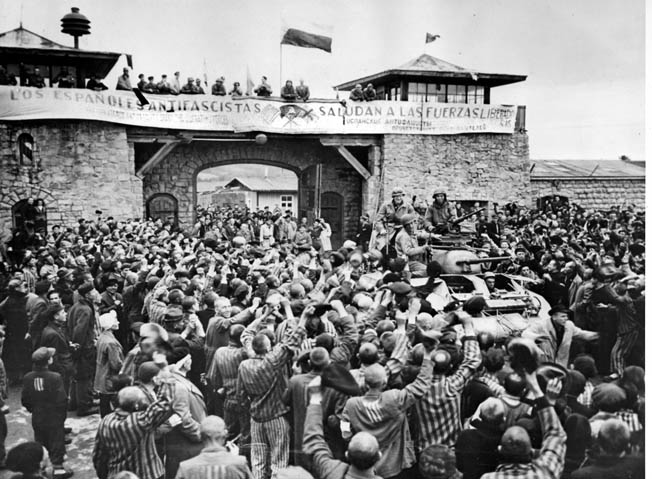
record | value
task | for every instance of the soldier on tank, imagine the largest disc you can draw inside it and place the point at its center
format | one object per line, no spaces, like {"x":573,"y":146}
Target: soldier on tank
{"x":439,"y":214}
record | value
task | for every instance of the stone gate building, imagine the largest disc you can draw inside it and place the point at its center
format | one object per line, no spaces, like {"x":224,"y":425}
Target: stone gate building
{"x":431,"y":127}
{"x":81,"y":151}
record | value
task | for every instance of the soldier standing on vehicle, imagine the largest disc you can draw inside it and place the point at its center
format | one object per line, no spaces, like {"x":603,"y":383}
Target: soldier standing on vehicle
{"x":440,"y":213}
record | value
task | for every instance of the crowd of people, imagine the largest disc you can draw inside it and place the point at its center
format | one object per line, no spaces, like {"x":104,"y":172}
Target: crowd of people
{"x":247,"y":346}
{"x":175,"y":86}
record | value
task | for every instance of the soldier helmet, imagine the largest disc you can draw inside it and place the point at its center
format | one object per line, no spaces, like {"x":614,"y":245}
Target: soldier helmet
{"x":397,"y":191}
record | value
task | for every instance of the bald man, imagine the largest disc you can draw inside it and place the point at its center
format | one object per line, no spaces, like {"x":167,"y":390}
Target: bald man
{"x":384,"y":415}
{"x":516,"y":447}
{"x":363,"y":452}
{"x":125,"y":438}
{"x":215,"y":460}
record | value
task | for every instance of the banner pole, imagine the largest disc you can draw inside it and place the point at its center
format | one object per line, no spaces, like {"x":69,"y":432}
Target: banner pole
{"x":280,"y":69}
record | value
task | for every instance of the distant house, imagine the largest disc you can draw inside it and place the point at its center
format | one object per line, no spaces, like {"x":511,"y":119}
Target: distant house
{"x":257,"y":193}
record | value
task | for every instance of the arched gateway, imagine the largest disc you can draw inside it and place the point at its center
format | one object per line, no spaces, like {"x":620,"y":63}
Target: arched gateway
{"x":320,"y":168}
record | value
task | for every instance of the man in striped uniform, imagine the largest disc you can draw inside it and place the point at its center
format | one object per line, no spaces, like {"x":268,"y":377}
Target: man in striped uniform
{"x":125,"y":438}
{"x":263,"y":379}
{"x":222,"y":374}
{"x":438,"y":411}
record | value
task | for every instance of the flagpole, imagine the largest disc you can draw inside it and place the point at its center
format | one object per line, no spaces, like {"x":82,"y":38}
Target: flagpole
{"x":280,"y":68}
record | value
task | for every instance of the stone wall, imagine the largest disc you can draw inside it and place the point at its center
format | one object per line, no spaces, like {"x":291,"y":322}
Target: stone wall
{"x":176,"y":174}
{"x":477,"y":167}
{"x":78,"y":167}
{"x":593,"y":193}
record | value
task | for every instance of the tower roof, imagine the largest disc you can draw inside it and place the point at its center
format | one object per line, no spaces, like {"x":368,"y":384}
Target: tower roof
{"x":426,"y":67}
{"x":21,"y":45}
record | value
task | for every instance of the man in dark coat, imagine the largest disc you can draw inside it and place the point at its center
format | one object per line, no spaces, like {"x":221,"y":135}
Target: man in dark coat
{"x":612,"y":461}
{"x":477,"y":449}
{"x":55,"y":337}
{"x":111,"y":300}
{"x":13,"y":315}
{"x":43,"y":395}
{"x":81,"y":328}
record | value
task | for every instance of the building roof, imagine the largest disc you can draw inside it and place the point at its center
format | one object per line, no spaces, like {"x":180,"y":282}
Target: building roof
{"x":278,"y":183}
{"x":576,"y":169}
{"x":428,"y":67}
{"x":24,"y":38}
{"x":21,"y":45}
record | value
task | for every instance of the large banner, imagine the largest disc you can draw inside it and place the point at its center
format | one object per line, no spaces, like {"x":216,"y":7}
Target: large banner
{"x":243,"y":114}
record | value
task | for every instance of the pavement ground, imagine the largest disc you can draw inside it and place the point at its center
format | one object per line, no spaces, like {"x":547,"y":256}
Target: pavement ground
{"x":79,"y":454}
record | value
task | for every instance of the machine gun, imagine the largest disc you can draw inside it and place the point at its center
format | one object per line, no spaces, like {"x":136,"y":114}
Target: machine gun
{"x":457,"y":221}
{"x":452,"y":224}
{"x":466,"y":263}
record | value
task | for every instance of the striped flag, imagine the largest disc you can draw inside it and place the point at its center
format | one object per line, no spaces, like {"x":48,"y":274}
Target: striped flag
{"x":311,"y":35}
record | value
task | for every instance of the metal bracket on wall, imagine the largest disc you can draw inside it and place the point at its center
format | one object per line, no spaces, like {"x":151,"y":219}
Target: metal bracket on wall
{"x":353,"y":161}
{"x":157,"y":157}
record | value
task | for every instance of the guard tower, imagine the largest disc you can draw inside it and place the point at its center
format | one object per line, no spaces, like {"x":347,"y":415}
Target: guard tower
{"x":430,"y":79}
{"x":22,"y":51}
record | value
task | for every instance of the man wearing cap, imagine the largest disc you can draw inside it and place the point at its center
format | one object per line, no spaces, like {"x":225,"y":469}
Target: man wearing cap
{"x":407,"y":246}
{"x":81,"y":330}
{"x":392,"y":212}
{"x":215,"y":456}
{"x":150,"y":86}
{"x":110,"y":357}
{"x":55,"y":336}
{"x":439,"y":214}
{"x":218,"y":88}
{"x":189,"y":88}
{"x":438,"y":412}
{"x":43,"y":395}
{"x":516,"y":452}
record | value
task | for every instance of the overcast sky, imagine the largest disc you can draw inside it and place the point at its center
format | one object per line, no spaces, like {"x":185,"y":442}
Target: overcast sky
{"x":585,"y":59}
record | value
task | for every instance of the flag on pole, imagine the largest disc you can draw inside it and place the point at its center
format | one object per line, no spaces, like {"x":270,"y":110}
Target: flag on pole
{"x":311,"y":35}
{"x":250,"y":83}
{"x":431,"y":38}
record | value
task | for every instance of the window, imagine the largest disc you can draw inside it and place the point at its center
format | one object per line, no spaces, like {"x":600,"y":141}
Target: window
{"x":436,"y":93}
{"x":26,"y":149}
{"x":417,"y":92}
{"x":287,"y":202}
{"x":476,"y":94}
{"x":456,"y":94}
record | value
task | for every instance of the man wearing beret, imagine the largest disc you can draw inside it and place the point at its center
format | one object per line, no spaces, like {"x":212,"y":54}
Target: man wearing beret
{"x":44,"y":396}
